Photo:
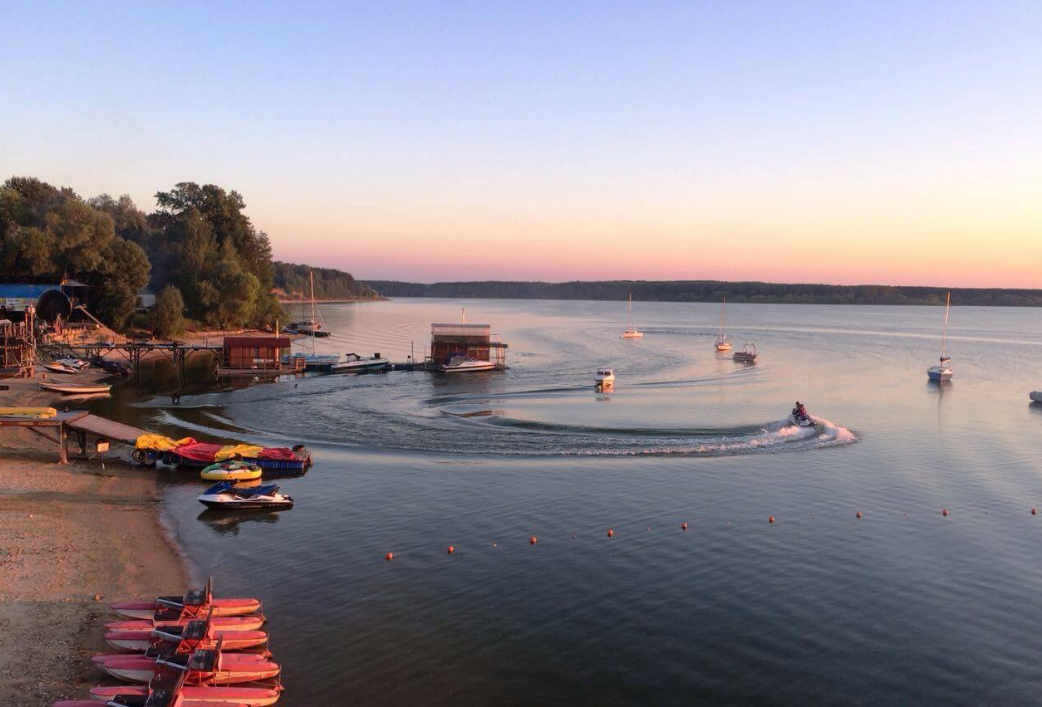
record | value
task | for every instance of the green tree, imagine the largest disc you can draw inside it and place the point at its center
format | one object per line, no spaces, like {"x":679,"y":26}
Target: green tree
{"x":168,"y":315}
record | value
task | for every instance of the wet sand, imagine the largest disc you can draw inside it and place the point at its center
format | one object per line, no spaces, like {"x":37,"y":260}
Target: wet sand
{"x":72,"y":539}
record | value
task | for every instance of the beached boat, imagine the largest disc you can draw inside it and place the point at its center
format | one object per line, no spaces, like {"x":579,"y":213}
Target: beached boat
{"x":631,"y":332}
{"x":59,"y":367}
{"x":748,"y":354}
{"x":196,"y":695}
{"x":604,"y":376}
{"x":197,"y":602}
{"x":943,"y":370}
{"x":1036,"y":396}
{"x":353,"y":363}
{"x":723,"y":343}
{"x":206,"y":666}
{"x":231,"y":471}
{"x":226,"y":496}
{"x":466,"y":364}
{"x":163,"y":690}
{"x":75,"y":388}
{"x":253,"y":622}
{"x":200,"y":633}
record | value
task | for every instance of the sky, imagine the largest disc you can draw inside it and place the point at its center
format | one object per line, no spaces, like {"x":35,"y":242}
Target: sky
{"x":816,"y":141}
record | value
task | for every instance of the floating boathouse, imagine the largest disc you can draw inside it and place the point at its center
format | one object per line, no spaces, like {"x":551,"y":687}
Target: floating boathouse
{"x":474,"y":341}
{"x":257,"y":356}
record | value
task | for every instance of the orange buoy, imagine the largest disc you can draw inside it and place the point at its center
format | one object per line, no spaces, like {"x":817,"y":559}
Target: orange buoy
{"x":770,"y":519}
{"x":683,"y":526}
{"x":858,"y":514}
{"x":610,"y":532}
{"x":389,"y":556}
{"x":944,"y":512}
{"x":533,"y":540}
{"x":451,"y":549}
{"x":1034,"y":512}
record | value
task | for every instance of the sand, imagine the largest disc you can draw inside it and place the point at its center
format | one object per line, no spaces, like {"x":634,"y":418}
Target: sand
{"x":72,"y":539}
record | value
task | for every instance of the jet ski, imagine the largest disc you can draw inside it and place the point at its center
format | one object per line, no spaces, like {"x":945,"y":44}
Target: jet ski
{"x":226,"y":495}
{"x":801,"y":420}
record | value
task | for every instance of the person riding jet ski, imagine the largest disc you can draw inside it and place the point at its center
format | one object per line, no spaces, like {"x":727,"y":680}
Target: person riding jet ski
{"x":799,"y":414}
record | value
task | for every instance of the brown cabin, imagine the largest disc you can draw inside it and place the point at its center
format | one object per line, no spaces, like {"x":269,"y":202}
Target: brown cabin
{"x":471,"y":340}
{"x":257,"y":354}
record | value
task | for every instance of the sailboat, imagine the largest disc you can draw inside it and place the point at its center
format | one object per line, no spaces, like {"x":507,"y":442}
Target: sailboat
{"x":722,"y":342}
{"x":630,"y":332}
{"x":313,"y":361}
{"x":943,"y":371}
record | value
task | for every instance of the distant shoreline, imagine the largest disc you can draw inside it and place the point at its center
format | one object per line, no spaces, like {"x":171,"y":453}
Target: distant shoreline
{"x":344,"y":300}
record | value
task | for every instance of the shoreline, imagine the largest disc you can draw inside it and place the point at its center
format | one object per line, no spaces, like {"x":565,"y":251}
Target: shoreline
{"x":72,"y":539}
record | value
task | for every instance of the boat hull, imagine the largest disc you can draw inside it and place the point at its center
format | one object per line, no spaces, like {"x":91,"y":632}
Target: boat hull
{"x":141,"y":701}
{"x":141,"y":641}
{"x":250,"y":696}
{"x":939,"y":374}
{"x":230,"y":606}
{"x":367,"y":367}
{"x":233,"y":668}
{"x":1036,"y":396}
{"x":222,"y":623}
{"x":221,"y":502}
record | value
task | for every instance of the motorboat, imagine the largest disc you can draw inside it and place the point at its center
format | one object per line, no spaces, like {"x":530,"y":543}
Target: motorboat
{"x":1036,"y":396}
{"x":75,"y":388}
{"x":205,"y":666}
{"x":748,"y":354}
{"x":943,"y":370}
{"x":313,"y":361}
{"x":353,"y":363}
{"x":199,"y":633}
{"x":604,"y":376}
{"x":723,"y":343}
{"x":226,"y":495}
{"x":466,"y":364}
{"x":59,"y":367}
{"x":162,"y":619}
{"x":78,"y":363}
{"x":231,"y":471}
{"x":631,"y":332}
{"x":200,"y":602}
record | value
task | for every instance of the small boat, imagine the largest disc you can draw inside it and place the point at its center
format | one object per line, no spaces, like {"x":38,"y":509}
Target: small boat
{"x":78,"y":363}
{"x":722,"y":342}
{"x":353,"y":363}
{"x":226,"y":495}
{"x":313,"y":361}
{"x":604,"y":376}
{"x":76,"y":388}
{"x":59,"y":367}
{"x":943,"y":371}
{"x":231,"y":471}
{"x":191,"y":695}
{"x":1036,"y":396}
{"x":748,"y":354}
{"x":201,"y":602}
{"x":631,"y":332}
{"x":313,"y":327}
{"x":163,"y":690}
{"x":466,"y":364}
{"x":199,"y":633}
{"x":205,"y":666}
{"x":163,"y":619}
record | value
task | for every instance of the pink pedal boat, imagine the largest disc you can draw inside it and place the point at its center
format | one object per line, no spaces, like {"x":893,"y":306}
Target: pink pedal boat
{"x":195,"y":603}
{"x":166,"y":620}
{"x":163,"y":692}
{"x":195,"y":696}
{"x":200,"y":633}
{"x":201,"y":667}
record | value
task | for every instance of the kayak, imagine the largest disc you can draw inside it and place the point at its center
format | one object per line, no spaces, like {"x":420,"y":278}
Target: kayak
{"x":208,"y":696}
{"x":203,"y":667}
{"x":58,"y":367}
{"x":223,"y":623}
{"x":231,"y":471}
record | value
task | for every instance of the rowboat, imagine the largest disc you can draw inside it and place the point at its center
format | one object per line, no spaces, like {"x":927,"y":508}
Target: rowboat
{"x":631,"y":332}
{"x":75,"y":388}
{"x":197,"y":603}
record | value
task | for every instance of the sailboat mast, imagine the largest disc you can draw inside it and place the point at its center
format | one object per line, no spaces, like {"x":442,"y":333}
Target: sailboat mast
{"x":944,"y":335}
{"x":722,"y":305}
{"x":629,"y":313}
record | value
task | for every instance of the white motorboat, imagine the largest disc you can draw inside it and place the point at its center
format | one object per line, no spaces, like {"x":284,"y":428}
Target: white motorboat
{"x":76,"y":388}
{"x":314,"y":361}
{"x":723,"y":343}
{"x":943,"y":371}
{"x":748,"y":354}
{"x":78,"y":363}
{"x":353,"y":363}
{"x":466,"y":364}
{"x":225,"y":495}
{"x":604,"y":376}
{"x":631,"y":332}
{"x":59,"y":367}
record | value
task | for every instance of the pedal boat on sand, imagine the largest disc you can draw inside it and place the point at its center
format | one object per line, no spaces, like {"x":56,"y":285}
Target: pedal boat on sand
{"x":164,"y":619}
{"x":75,"y":388}
{"x":226,"y":496}
{"x":196,"y":603}
{"x":164,"y":691}
{"x":201,"y":633}
{"x":207,"y":666}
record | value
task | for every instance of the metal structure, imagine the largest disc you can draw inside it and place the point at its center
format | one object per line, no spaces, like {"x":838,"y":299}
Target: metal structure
{"x":177,"y":353}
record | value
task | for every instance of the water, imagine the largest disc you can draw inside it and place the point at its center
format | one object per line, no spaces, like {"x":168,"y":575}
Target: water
{"x":902,"y":606}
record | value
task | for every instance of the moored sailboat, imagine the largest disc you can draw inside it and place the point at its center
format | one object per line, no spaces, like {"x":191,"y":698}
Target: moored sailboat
{"x":723,"y":343}
{"x":631,"y":332}
{"x":943,"y":371}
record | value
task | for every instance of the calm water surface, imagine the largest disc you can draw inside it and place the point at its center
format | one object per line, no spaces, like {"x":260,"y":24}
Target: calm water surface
{"x":901,"y":607}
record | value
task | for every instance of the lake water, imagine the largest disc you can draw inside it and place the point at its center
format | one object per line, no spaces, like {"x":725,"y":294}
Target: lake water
{"x":902,"y":606}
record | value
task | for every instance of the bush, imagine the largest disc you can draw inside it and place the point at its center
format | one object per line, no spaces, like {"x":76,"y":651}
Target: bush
{"x":168,"y":316}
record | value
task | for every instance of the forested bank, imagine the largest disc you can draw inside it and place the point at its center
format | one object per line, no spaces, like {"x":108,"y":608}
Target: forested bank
{"x":330,"y":284}
{"x":712,"y":291}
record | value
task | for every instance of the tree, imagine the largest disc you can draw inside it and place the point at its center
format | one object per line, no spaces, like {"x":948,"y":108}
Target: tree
{"x":168,"y":315}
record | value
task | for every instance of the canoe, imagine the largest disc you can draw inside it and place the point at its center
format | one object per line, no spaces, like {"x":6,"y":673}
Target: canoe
{"x":205,"y":667}
{"x":222,"y":623}
{"x":76,"y":388}
{"x":228,"y":606}
{"x":141,"y":641}
{"x":249,"y":696}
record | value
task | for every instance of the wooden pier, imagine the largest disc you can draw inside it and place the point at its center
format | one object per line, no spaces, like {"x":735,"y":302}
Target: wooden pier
{"x":177,"y":353}
{"x":58,"y":428}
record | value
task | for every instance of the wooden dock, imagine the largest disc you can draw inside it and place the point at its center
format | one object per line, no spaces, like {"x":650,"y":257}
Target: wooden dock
{"x":57,"y":429}
{"x":176,"y":352}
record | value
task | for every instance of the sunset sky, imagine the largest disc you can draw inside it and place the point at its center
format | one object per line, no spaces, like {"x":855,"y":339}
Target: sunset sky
{"x":841,"y":142}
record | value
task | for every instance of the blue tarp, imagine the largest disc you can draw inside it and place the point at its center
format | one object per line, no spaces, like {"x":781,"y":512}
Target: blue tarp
{"x":25,"y":291}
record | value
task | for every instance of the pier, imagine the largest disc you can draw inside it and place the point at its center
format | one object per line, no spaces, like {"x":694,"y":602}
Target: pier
{"x":176,"y":352}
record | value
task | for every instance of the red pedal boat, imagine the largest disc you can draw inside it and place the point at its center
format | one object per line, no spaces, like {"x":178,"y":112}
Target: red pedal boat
{"x":162,"y":692}
{"x":195,"y":603}
{"x":200,"y":633}
{"x":165,"y":620}
{"x":201,"y":667}
{"x":196,"y":696}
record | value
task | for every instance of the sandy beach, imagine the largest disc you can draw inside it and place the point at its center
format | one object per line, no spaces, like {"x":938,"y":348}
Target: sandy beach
{"x":72,"y":539}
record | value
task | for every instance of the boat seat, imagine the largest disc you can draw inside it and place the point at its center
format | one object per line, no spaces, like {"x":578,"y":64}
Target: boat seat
{"x":194,"y":631}
{"x":204,"y":661}
{"x":196,"y":597}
